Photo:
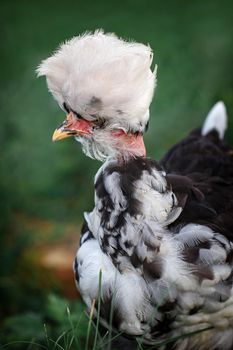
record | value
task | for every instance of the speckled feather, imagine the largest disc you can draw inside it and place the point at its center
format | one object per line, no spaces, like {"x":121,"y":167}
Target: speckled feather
{"x":162,"y":235}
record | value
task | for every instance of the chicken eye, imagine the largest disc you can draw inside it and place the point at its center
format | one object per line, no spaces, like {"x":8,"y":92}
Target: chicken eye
{"x":99,"y":122}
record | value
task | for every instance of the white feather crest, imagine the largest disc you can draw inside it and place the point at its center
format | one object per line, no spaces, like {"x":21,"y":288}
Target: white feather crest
{"x":102,"y":75}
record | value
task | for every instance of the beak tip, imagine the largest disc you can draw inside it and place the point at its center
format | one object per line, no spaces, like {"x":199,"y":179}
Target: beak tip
{"x":54,"y":138}
{"x":60,"y":134}
{"x":56,"y":135}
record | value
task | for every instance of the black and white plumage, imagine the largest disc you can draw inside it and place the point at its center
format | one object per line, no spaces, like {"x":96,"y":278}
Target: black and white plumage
{"x":161,"y":233}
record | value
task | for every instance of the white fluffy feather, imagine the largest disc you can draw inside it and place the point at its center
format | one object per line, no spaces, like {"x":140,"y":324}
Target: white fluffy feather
{"x":98,"y":74}
{"x":216,"y":120}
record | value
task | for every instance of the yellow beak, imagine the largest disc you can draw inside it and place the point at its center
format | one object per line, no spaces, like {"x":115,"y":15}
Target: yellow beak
{"x":65,"y":130}
{"x":72,"y":127}
{"x":60,"y":134}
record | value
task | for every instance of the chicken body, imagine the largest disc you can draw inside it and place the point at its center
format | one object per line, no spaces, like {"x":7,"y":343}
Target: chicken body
{"x":159,"y":239}
{"x":161,"y":234}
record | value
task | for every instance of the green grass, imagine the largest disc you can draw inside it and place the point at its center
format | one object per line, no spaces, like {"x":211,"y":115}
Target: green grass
{"x":61,"y":324}
{"x":66,"y":326}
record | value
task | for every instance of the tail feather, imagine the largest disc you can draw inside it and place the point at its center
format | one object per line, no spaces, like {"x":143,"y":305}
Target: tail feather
{"x":216,"y":120}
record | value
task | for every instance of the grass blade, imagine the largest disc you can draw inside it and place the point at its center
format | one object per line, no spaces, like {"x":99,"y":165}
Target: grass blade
{"x":90,"y":323}
{"x":98,"y":310}
{"x":23,"y":342}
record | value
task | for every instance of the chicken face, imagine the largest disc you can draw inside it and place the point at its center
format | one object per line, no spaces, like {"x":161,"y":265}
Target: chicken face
{"x":98,"y":140}
{"x":106,"y":86}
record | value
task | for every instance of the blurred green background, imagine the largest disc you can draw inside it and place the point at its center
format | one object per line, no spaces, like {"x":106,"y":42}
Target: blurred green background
{"x":45,"y":187}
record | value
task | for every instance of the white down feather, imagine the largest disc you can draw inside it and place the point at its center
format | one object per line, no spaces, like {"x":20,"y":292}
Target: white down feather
{"x":99,"y":74}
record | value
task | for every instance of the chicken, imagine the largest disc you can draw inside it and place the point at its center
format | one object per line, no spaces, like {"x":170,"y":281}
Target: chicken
{"x":161,"y":233}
